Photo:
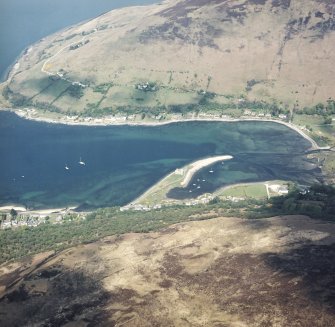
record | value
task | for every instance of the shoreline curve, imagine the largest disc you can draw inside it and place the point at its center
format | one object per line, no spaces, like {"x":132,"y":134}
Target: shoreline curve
{"x":123,"y":122}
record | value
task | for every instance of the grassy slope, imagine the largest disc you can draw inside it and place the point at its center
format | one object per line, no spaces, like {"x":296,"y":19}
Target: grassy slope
{"x":132,"y":46}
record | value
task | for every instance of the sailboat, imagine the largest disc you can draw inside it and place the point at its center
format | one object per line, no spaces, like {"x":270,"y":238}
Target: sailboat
{"x":66,"y":167}
{"x":81,"y":162}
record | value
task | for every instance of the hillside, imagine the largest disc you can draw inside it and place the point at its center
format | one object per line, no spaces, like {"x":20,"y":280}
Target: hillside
{"x":219,"y":272}
{"x":177,"y":53}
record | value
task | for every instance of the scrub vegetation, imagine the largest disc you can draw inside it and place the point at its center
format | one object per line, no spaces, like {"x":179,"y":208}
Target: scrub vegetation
{"x":317,"y":201}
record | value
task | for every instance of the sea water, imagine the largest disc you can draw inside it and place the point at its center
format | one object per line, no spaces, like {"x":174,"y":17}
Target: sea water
{"x":121,"y":162}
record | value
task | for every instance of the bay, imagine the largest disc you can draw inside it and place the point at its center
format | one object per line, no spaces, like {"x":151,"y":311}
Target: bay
{"x":121,"y":162}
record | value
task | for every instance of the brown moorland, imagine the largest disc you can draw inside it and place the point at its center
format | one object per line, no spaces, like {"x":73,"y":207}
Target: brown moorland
{"x":219,"y":272}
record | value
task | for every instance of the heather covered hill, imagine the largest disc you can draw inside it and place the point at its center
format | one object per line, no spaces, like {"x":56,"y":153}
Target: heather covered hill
{"x":220,"y":272}
{"x":153,"y":57}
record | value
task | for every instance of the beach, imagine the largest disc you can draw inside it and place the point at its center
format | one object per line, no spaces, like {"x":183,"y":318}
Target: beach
{"x":15,"y":207}
{"x":21,"y":209}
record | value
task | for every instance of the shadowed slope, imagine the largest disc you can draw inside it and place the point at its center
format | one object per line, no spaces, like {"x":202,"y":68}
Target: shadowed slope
{"x":219,"y":272}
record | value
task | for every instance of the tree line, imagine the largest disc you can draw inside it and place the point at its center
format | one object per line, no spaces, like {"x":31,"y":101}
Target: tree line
{"x":317,"y":201}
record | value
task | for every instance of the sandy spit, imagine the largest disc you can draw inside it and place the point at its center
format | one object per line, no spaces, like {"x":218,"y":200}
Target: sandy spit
{"x":194,"y":167}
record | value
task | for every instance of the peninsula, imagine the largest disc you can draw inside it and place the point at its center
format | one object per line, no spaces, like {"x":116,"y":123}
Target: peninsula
{"x":182,"y":56}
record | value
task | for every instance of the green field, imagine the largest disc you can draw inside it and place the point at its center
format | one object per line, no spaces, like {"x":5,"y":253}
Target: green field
{"x":256,"y":191}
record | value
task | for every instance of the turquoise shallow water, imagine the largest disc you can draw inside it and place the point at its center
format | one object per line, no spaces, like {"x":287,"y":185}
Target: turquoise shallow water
{"x":121,"y":162}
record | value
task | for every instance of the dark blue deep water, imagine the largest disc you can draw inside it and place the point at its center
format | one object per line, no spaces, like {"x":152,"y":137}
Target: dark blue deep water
{"x":123,"y":161}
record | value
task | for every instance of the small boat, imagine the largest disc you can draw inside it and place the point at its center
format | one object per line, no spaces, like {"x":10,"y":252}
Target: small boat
{"x":22,"y":176}
{"x":199,"y":186}
{"x":204,"y":180}
{"x":190,"y":191}
{"x":81,"y":162}
{"x":211,"y":171}
{"x":194,"y":184}
{"x":66,"y":167}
